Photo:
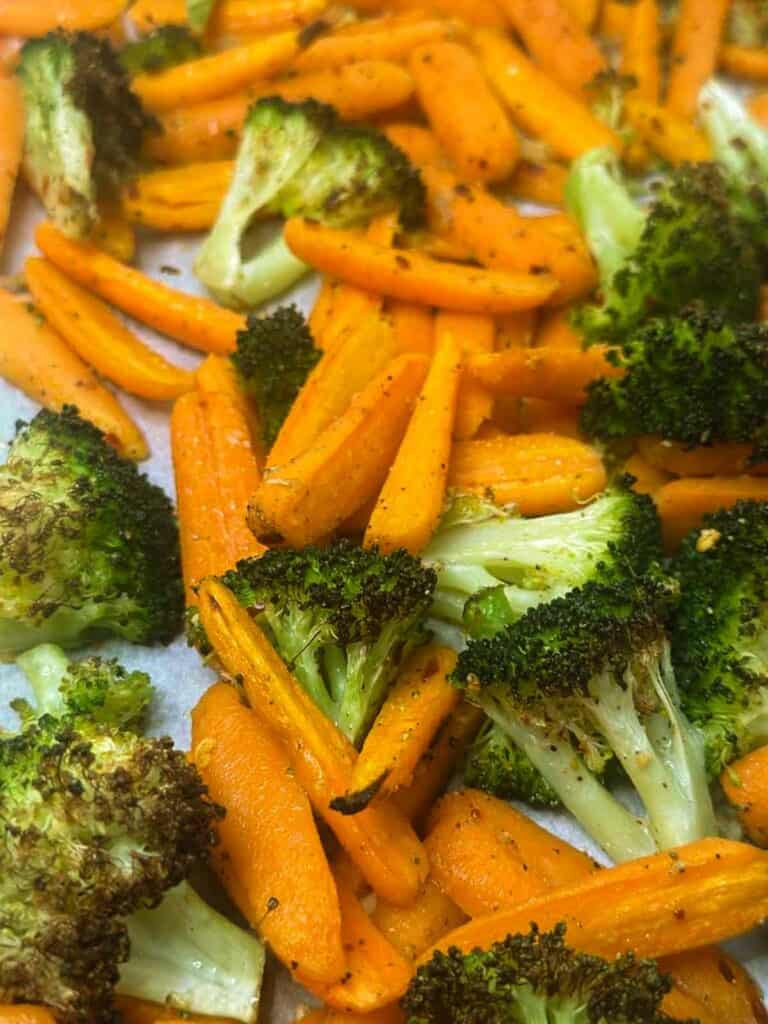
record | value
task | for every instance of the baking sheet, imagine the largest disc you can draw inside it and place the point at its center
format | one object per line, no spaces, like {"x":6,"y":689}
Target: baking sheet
{"x":177,"y":672}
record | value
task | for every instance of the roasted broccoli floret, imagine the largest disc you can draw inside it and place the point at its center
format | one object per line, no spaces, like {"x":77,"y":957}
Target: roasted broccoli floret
{"x":536,"y":977}
{"x":689,"y":246}
{"x":492,"y":566}
{"x":83,"y":126}
{"x":495,"y":765}
{"x":589,"y":676}
{"x":342,"y":617}
{"x":166,"y":47}
{"x":274,"y":356}
{"x":299,"y":159}
{"x":88,"y":546}
{"x":693,"y":378}
{"x":720,"y":636}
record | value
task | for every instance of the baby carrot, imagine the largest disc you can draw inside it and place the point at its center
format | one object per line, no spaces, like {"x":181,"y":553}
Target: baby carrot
{"x":648,"y":478}
{"x":539,"y":182}
{"x":185,"y":198}
{"x":378,"y":39}
{"x":12,"y":120}
{"x":475,"y":403}
{"x":683,"y":503}
{"x":20,"y":1013}
{"x":230,"y":19}
{"x":542,"y":416}
{"x":744,"y":782}
{"x":744,"y":62}
{"x":22,"y":18}
{"x":472,"y":12}
{"x":641,"y":54}
{"x":584,"y":11}
{"x":418,"y":143}
{"x":414,"y":929}
{"x":561,"y":374}
{"x":327,"y":1015}
{"x":727,"y":458}
{"x":218,"y":374}
{"x":671,"y":136}
{"x":556,"y":330}
{"x":695,"y":46}
{"x":414,"y":328}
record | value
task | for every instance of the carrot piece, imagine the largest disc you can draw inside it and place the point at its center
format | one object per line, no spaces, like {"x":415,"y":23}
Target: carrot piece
{"x":539,"y":473}
{"x":559,"y":44}
{"x":539,"y":182}
{"x":22,"y":18}
{"x":20,"y":1013}
{"x":744,"y":62}
{"x":321,"y":316}
{"x":707,"y":891}
{"x":541,"y":416}
{"x":537,"y":103}
{"x":326,"y":1015}
{"x":218,"y":74}
{"x":648,"y":478}
{"x":723,"y":459}
{"x":411,"y":930}
{"x":230,"y":18}
{"x":516,"y":330}
{"x":185,"y":198}
{"x":217,"y":374}
{"x":555,"y":330}
{"x":584,"y":11}
{"x":418,"y":143}
{"x":114,"y":233}
{"x":216,"y":473}
{"x":486,"y":13}
{"x":641,"y":53}
{"x":12,"y":119}
{"x":671,"y":136}
{"x":557,"y":373}
{"x":414,"y":328}
{"x":615,"y":18}
{"x":695,"y":46}
{"x":411,"y":276}
{"x":467,"y":119}
{"x":38,"y":362}
{"x":711,"y":987}
{"x":377,"y":40}
{"x":744,"y":783}
{"x":140,"y":1011}
{"x":92,"y":330}
{"x":194,"y":321}
{"x":474,"y":404}
{"x":683,"y":503}
{"x":378,"y":840}
{"x":203,"y":131}
{"x":270,"y":847}
{"x":411,"y":499}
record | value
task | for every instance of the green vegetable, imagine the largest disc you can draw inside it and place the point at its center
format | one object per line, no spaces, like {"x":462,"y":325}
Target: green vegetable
{"x":164,"y":48}
{"x":495,"y":765}
{"x":199,"y":13}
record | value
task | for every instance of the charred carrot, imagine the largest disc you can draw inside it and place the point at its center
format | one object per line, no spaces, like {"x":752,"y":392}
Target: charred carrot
{"x":695,"y":47}
{"x":12,"y":119}
{"x":744,"y":783}
{"x":683,"y":503}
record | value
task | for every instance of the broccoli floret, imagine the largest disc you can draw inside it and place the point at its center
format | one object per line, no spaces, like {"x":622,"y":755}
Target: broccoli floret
{"x":536,"y":977}
{"x":83,"y":126}
{"x":492,"y":566}
{"x":495,"y":765}
{"x":164,"y":48}
{"x":720,"y":636}
{"x":747,"y":23}
{"x":588,"y":676}
{"x":88,"y":546}
{"x":688,"y":246}
{"x":692,"y":378}
{"x":298,"y":159}
{"x":275,"y":355}
{"x":344,"y":618}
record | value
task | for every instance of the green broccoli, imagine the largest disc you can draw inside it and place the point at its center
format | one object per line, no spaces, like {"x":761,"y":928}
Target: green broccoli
{"x":493,"y":566}
{"x":199,"y":13}
{"x":536,"y":977}
{"x":275,"y":355}
{"x":589,"y":676}
{"x":164,"y":48}
{"x":344,"y":618}
{"x":89,"y":546}
{"x":719,"y":640}
{"x":495,"y":765}
{"x":299,"y":159}
{"x":692,"y":378}
{"x":84,"y":127}
{"x":688,"y":246}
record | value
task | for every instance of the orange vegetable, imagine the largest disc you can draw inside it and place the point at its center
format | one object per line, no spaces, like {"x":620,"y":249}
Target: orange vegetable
{"x":648,"y":478}
{"x":21,"y":1013}
{"x":411,"y":930}
{"x":744,"y":62}
{"x":541,"y":106}
{"x":683,"y":503}
{"x":217,"y":374}
{"x":554,"y":372}
{"x":91,"y":329}
{"x":539,"y":182}
{"x":216,"y":473}
{"x":378,"y":840}
{"x":671,"y":136}
{"x":556,"y":330}
{"x":383,"y":38}
{"x":37,"y":361}
{"x":419,"y":144}
{"x":321,"y":315}
{"x":468,"y":120}
{"x":12,"y":120}
{"x":114,"y":234}
{"x":557,"y":41}
{"x":411,"y":500}
{"x":411,"y":276}
{"x":584,"y":11}
{"x":185,"y":198}
{"x":474,"y":404}
{"x":22,"y":18}
{"x":414,"y":328}
{"x":539,"y":473}
{"x":472,"y":12}
{"x":516,"y":330}
{"x":695,"y":47}
{"x":230,"y":19}
{"x":140,"y":1011}
{"x":541,"y":416}
{"x":615,"y":18}
{"x":326,"y":1015}
{"x":707,"y":891}
{"x":713,"y":987}
{"x":722,"y":459}
{"x":745,"y":784}
{"x":189,"y":319}
{"x":641,"y":56}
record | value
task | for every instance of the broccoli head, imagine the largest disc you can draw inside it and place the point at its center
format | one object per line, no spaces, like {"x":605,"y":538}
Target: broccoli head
{"x":299,"y":159}
{"x":88,"y":546}
{"x":495,"y":765}
{"x":275,"y":355}
{"x":693,"y":378}
{"x":536,"y":977}
{"x":344,"y":618}
{"x":720,"y":636}
{"x":84,"y":126}
{"x":164,"y":48}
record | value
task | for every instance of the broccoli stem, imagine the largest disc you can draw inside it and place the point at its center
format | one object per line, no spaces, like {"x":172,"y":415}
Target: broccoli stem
{"x":45,"y":667}
{"x":186,"y":955}
{"x":273,"y":271}
{"x":738,"y":141}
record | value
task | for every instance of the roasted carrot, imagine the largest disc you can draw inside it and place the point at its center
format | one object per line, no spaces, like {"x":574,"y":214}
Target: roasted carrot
{"x":358,"y":90}
{"x":410,"y":276}
{"x":648,"y":478}
{"x":517,"y":330}
{"x":539,"y":473}
{"x":378,"y":840}
{"x":37,"y":361}
{"x":196,"y":322}
{"x":185,"y":198}
{"x":474,"y":404}
{"x":411,"y":499}
{"x":326,"y":1015}
{"x":558,"y":373}
{"x":641,"y":54}
{"x":556,"y":40}
{"x":473,"y":12}
{"x":140,"y":1011}
{"x":22,"y":18}
{"x":539,"y":182}
{"x":411,"y":930}
{"x":230,"y":19}
{"x":744,"y":783}
{"x":723,"y":459}
{"x":102,"y":341}
{"x":711,"y":987}
{"x":414,"y":328}
{"x":216,"y":473}
{"x":12,"y":119}
{"x":666,"y":903}
{"x":114,"y":233}
{"x":584,"y":11}
{"x":217,"y":374}
{"x":556,"y":330}
{"x":683,"y":503}
{"x":744,"y":62}
{"x":615,"y":17}
{"x":379,"y":39}
{"x":671,"y":136}
{"x":537,"y":103}
{"x":695,"y":46}
{"x":321,"y":315}
{"x":21,"y":1013}
{"x":418,"y":143}
{"x":468,"y":120}
{"x":542,"y":416}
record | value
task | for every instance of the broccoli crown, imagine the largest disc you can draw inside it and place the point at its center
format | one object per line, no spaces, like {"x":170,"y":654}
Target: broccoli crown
{"x":693,"y":378}
{"x":275,"y":355}
{"x":166,"y":47}
{"x":84,"y":125}
{"x":720,"y":636}
{"x":495,"y":765}
{"x":88,"y":546}
{"x":535,"y":977}
{"x":343,"y":617}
